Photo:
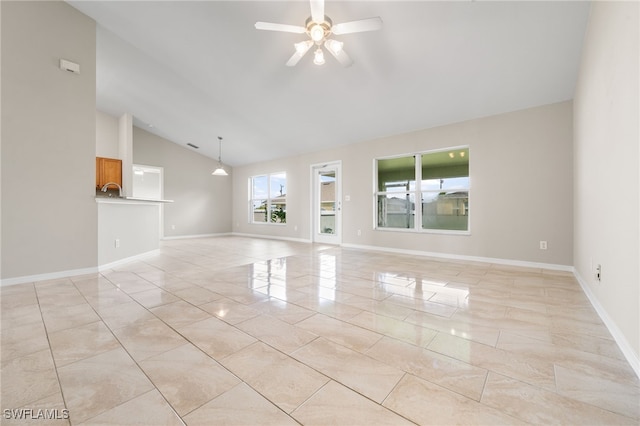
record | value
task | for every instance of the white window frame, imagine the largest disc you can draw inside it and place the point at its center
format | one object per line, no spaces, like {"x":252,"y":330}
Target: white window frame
{"x":417,"y":194}
{"x":269,"y":199}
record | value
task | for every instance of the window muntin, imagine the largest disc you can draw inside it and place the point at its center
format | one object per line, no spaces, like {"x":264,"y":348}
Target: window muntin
{"x":268,"y":203}
{"x":441,"y":197}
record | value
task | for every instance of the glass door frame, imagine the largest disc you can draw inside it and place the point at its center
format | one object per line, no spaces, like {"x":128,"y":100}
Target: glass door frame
{"x":316,"y":235}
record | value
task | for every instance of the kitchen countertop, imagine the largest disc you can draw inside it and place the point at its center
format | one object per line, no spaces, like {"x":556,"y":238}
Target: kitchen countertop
{"x":130,"y":200}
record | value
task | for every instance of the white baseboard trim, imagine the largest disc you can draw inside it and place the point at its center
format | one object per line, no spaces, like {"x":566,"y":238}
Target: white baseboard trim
{"x":508,"y":262}
{"x":271,"y":237}
{"x":621,"y":340}
{"x":120,"y":262}
{"x":74,"y":272}
{"x":47,"y":276}
{"x":186,"y":237}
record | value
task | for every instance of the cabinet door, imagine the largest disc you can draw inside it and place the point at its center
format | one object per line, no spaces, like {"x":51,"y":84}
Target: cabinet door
{"x":108,"y":170}
{"x":113,"y":171}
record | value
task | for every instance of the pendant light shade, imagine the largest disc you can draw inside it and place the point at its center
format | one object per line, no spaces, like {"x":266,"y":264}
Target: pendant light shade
{"x":220,"y":171}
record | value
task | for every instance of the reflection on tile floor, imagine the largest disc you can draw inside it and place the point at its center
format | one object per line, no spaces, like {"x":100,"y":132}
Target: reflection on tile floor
{"x":235,"y":330}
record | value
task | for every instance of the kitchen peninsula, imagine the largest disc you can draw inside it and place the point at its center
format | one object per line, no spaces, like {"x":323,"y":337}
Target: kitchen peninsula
{"x":129,"y":225}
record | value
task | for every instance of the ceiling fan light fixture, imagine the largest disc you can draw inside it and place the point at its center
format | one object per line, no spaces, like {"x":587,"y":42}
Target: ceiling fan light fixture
{"x":302,"y":47}
{"x":334,"y":46}
{"x":319,"y":27}
{"x":316,"y":32}
{"x":318,"y":57}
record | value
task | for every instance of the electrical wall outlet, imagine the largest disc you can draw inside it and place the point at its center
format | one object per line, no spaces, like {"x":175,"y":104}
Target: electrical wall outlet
{"x":116,"y":243}
{"x":543,"y":245}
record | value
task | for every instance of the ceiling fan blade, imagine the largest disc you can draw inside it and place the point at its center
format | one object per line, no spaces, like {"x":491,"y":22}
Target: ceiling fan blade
{"x":317,"y":11}
{"x":335,"y":48}
{"x":301,"y":49}
{"x":370,"y":24}
{"x":280,"y":27}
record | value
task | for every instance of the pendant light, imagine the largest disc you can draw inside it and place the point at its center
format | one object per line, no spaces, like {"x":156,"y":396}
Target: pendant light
{"x":220,"y":171}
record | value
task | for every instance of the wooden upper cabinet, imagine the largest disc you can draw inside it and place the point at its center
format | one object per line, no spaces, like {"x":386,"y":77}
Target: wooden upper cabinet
{"x":108,"y":170}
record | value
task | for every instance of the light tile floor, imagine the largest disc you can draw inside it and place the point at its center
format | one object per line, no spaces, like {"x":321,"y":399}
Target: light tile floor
{"x":234,"y":330}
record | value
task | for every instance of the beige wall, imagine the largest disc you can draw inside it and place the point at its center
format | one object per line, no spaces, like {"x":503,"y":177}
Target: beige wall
{"x":521,"y":188}
{"x":106,"y":135}
{"x":202,"y":202}
{"x":607,"y":229}
{"x":49,"y":215}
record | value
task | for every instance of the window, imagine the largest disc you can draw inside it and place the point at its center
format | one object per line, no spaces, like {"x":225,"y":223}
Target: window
{"x":436,"y":182}
{"x":268,"y":198}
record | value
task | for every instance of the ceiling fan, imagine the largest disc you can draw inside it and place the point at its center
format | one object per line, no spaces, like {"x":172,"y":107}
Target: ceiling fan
{"x":319,"y":28}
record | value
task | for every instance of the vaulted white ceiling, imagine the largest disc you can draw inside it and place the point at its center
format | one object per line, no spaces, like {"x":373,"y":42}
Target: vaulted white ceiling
{"x":191,"y":71}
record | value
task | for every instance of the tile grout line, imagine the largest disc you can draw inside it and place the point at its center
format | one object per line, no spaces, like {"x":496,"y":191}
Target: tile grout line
{"x":53,"y":360}
{"x":128,"y":354}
